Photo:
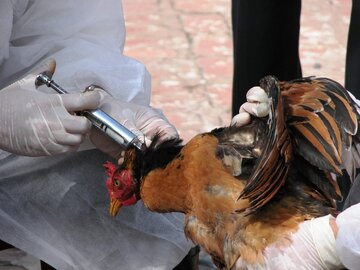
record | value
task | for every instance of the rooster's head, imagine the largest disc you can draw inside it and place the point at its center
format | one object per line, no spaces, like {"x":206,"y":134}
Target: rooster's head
{"x":124,"y":181}
{"x":121,"y":187}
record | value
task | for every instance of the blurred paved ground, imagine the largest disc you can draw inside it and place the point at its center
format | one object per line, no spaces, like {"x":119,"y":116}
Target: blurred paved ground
{"x":187,"y":47}
{"x":323,"y":37}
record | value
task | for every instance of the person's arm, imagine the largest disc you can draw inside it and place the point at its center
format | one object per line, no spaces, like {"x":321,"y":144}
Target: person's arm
{"x":311,"y":246}
{"x":86,"y":38}
{"x":348,"y":237}
{"x":321,"y":243}
{"x":96,"y":51}
{"x":33,"y":123}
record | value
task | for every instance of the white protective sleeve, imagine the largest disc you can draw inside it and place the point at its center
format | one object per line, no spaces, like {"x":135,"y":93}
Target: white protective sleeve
{"x":348,"y":237}
{"x":85,"y":37}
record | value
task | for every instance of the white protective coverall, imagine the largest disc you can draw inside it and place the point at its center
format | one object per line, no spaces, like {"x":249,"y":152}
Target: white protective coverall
{"x":56,"y":207}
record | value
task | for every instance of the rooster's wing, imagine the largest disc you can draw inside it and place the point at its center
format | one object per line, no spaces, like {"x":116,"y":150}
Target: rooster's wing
{"x":312,"y":125}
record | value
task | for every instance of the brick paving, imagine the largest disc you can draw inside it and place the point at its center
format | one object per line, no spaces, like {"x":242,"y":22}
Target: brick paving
{"x":187,"y":47}
{"x":323,"y":37}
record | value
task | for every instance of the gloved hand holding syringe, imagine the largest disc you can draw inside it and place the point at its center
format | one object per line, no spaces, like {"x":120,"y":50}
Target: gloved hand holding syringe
{"x":98,"y":118}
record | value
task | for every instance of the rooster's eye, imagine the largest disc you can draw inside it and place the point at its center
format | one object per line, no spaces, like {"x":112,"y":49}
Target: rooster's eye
{"x":116,"y":183}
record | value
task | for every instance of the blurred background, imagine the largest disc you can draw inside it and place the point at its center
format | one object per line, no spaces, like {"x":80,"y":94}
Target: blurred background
{"x":187,"y":47}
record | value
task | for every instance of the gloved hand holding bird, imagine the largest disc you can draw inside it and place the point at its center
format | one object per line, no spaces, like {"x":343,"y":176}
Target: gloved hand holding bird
{"x":247,"y":188}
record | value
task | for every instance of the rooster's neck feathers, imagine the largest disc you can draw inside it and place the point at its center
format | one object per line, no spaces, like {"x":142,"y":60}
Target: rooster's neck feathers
{"x":156,"y":155}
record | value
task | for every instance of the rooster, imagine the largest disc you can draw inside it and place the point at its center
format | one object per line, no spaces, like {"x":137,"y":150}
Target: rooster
{"x":244,"y":188}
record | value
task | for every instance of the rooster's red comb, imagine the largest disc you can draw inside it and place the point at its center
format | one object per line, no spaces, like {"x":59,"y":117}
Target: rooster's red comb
{"x":110,"y":168}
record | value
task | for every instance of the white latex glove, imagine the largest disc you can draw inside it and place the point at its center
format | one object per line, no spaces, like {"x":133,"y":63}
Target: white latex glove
{"x":257,"y":105}
{"x":143,"y":121}
{"x":312,"y":247}
{"x":33,"y":123}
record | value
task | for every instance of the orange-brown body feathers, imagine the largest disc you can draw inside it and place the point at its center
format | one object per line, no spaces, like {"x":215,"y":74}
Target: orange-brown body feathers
{"x":244,"y":188}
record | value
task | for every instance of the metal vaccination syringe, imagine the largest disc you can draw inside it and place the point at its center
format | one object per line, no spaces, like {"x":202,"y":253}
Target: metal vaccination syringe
{"x":98,"y":118}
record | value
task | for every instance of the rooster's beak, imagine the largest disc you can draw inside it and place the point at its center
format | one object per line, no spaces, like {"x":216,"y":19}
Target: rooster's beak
{"x":115,"y":205}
